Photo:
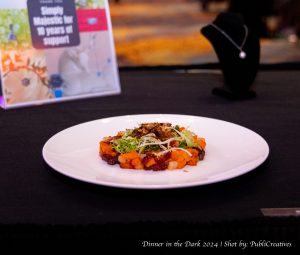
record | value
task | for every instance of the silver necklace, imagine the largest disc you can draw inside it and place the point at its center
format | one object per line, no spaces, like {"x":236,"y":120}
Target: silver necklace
{"x":242,"y":54}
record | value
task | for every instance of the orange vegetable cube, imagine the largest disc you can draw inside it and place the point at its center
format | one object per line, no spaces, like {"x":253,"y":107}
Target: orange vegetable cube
{"x":130,"y":160}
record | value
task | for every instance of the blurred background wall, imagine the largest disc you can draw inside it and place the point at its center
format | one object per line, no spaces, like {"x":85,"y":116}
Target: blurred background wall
{"x":166,"y":32}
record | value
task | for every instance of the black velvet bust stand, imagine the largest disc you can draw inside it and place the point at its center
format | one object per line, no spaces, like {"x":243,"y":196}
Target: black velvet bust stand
{"x":239,"y":74}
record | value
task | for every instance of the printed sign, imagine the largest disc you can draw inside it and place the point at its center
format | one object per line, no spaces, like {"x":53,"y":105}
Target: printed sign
{"x":53,"y":23}
{"x":55,"y":50}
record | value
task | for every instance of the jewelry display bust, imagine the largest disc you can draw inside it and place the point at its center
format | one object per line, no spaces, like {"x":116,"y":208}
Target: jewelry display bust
{"x":238,"y":51}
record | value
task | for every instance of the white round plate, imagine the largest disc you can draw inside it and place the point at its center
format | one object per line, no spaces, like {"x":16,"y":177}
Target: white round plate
{"x":231,"y":151}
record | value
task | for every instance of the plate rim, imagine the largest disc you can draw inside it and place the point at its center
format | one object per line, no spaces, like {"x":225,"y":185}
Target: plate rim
{"x":156,"y":186}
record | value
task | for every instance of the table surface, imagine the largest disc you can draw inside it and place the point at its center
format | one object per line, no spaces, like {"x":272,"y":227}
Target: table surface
{"x":33,"y":193}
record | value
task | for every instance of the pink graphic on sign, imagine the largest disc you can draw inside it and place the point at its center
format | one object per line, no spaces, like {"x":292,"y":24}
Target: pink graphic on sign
{"x":92,"y":20}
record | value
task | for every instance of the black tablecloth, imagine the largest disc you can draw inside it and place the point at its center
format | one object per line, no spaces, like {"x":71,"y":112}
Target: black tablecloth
{"x":33,"y":193}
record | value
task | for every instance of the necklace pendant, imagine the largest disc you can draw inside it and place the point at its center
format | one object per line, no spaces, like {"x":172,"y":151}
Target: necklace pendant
{"x":243,"y":55}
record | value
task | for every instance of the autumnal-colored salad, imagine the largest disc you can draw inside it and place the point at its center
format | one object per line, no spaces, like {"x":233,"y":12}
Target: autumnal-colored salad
{"x":153,"y":146}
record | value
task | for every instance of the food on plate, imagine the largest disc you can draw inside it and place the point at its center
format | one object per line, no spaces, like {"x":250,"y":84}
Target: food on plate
{"x":153,"y":146}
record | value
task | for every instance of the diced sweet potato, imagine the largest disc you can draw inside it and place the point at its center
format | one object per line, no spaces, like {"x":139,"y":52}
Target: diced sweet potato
{"x":130,"y":160}
{"x":194,"y":158}
{"x":107,"y":149}
{"x":201,"y":142}
{"x":181,"y":157}
{"x":149,"y":161}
